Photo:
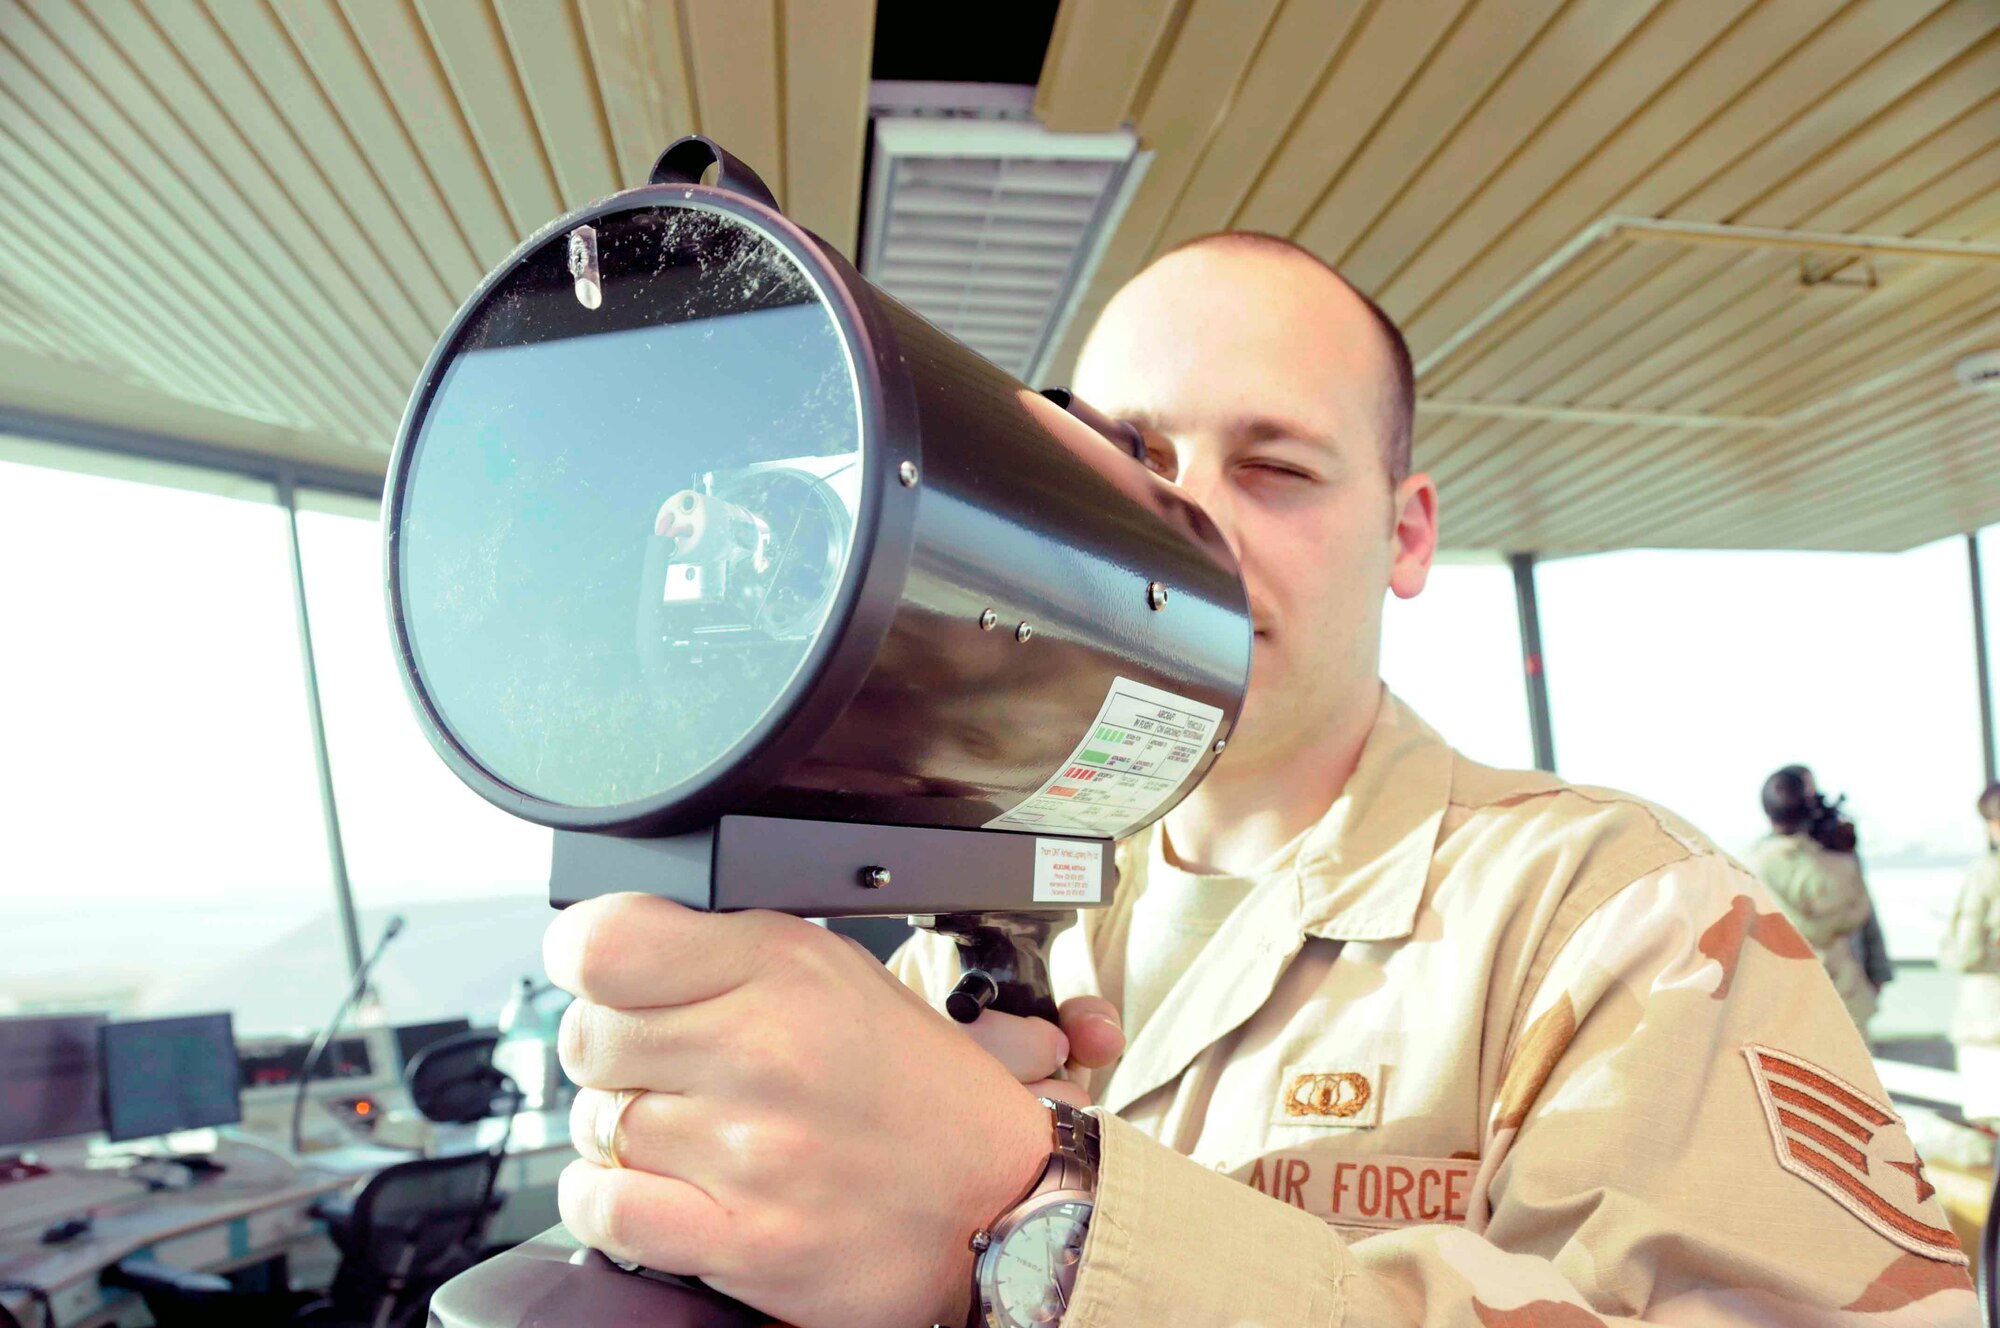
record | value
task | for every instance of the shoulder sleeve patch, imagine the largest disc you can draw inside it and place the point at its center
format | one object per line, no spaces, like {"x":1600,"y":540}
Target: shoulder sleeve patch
{"x":1851,"y":1148}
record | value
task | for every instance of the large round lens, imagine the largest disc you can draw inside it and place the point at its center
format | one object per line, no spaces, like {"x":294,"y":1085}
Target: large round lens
{"x":629,"y":505}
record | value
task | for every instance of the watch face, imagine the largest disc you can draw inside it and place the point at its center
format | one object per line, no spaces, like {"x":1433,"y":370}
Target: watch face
{"x":1028,"y":1280}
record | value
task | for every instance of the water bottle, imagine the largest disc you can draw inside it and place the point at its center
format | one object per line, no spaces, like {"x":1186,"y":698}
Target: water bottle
{"x":527,"y":1050}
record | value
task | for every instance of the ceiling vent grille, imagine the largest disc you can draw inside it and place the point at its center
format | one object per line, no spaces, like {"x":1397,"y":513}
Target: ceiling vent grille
{"x":991,"y":228}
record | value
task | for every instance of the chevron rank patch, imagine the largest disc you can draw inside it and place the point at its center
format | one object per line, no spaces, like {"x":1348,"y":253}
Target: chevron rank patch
{"x":1833,"y":1136}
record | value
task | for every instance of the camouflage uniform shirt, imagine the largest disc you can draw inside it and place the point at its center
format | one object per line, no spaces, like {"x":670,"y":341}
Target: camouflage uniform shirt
{"x":1494,"y":1050}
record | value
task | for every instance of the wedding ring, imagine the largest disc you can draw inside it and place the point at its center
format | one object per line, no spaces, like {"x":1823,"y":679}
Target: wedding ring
{"x":608,"y":1120}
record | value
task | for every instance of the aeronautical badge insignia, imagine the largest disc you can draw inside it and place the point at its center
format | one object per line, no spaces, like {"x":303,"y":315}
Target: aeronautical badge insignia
{"x":1853,"y":1148}
{"x":1348,"y":1098}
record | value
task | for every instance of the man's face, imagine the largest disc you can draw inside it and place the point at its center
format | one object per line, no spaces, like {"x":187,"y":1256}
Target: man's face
{"x":1262,"y":383}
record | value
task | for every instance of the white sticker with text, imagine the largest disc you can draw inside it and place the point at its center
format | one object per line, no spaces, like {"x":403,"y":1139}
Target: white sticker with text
{"x":1069,"y":872}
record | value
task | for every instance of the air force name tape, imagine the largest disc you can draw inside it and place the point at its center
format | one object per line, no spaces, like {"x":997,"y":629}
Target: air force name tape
{"x":1365,"y":1190}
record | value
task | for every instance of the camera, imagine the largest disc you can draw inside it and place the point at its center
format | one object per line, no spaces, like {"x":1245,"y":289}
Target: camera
{"x":1829,"y":827}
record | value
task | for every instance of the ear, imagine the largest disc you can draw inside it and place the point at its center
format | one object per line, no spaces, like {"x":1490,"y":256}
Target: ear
{"x":1415,"y":536}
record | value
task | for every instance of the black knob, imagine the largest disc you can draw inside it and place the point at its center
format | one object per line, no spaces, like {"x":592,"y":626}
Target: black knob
{"x":974,"y":992}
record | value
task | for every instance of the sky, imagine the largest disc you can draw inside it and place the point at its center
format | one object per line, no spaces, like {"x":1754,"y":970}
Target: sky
{"x":159,"y":774}
{"x":1688,"y":676}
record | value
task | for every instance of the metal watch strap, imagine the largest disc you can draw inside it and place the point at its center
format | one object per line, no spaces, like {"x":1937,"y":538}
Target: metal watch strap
{"x":1072,"y":1165}
{"x":1076,"y":1149}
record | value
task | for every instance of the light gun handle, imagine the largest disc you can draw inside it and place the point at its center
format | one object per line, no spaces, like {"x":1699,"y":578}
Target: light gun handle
{"x":1006,"y":961}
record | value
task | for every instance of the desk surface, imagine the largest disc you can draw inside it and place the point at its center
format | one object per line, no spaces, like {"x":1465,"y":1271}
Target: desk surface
{"x":252,"y":1184}
{"x":258,"y":1180}
{"x":1921,"y":1081}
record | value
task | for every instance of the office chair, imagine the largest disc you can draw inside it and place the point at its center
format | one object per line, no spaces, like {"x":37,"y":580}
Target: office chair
{"x":44,"y":1311}
{"x":454,"y":1081}
{"x":178,"y":1298}
{"x":413,"y":1227}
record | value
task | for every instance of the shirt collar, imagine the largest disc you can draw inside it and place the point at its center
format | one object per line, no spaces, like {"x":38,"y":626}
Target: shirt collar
{"x":1361,"y":872}
{"x":1359,"y":876}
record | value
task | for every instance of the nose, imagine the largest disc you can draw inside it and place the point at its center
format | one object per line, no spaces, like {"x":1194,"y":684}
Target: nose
{"x":1210,"y":494}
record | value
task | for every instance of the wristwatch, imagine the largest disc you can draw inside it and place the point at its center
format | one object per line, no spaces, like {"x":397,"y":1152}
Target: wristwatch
{"x":1027,"y":1258}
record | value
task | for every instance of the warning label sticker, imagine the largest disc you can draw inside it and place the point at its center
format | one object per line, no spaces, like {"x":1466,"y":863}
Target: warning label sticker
{"x":1067,"y":872}
{"x":1141,"y":748}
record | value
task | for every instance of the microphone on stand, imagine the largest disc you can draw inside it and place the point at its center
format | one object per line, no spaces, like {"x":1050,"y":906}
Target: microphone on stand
{"x":332,"y":1029}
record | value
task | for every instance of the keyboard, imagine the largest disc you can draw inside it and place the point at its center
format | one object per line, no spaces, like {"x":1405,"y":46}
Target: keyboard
{"x":30,"y":1206}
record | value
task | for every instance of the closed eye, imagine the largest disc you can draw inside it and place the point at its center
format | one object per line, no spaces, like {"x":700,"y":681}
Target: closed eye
{"x":1277,"y":468}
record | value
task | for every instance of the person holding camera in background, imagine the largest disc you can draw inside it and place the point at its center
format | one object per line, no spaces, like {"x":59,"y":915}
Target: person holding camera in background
{"x":1835,"y":833}
{"x":1972,"y":947}
{"x":1807,"y":862}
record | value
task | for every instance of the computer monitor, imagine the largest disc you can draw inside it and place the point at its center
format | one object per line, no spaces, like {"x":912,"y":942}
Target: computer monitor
{"x":50,"y":1086}
{"x":162,"y":1075}
{"x":413,"y":1038}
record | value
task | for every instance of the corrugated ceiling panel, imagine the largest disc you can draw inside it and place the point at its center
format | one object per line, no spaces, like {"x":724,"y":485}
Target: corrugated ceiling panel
{"x":553,"y":61}
{"x":389,"y":201}
{"x":1464,"y":67}
{"x":1381,"y":58}
{"x":736,"y":81}
{"x":157,"y":250}
{"x":642,"y":76}
{"x":1543,"y":199}
{"x":470,"y":44}
{"x":1440,"y":162}
{"x":262,"y":212}
{"x":399,"y":103}
{"x":259,"y":216}
{"x":1182,"y":104}
{"x":1784,"y":347}
{"x":159,"y":98}
{"x":1605,"y":90}
{"x":1304,"y":43}
{"x":1098,"y":59}
{"x":826,"y":111}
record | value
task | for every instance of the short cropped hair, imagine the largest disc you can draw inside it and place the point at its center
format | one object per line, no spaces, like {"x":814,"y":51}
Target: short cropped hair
{"x":1400,"y":392}
{"x":1989,"y":802}
{"x":1785,"y":800}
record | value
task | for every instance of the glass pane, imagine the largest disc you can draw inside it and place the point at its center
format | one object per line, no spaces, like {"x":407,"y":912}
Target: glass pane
{"x":1454,"y":653}
{"x":470,"y":880}
{"x":164,"y":849}
{"x":625,"y":524}
{"x":1688,"y":677}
